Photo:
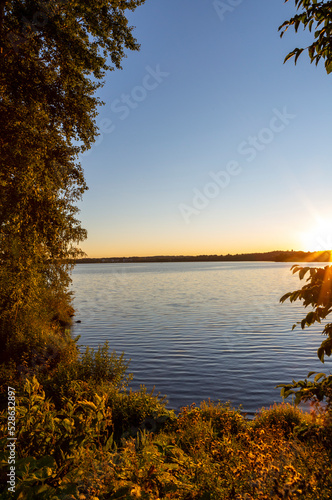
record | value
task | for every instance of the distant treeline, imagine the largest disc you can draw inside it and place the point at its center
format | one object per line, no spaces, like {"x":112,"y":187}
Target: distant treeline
{"x":275,"y":256}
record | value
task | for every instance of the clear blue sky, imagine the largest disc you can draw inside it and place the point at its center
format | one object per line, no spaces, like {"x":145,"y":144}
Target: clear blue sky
{"x":209,"y":143}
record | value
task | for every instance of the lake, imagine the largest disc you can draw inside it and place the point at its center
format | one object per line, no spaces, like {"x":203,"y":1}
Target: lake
{"x":199,"y":330}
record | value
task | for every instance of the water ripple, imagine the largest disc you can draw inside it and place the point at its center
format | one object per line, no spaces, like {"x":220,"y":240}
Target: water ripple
{"x":198,"y":330}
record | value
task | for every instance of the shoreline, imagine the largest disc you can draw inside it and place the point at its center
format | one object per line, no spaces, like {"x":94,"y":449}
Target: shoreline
{"x":274,"y":256}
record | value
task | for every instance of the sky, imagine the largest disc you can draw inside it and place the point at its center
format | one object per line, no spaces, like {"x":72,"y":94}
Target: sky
{"x":208,"y":143}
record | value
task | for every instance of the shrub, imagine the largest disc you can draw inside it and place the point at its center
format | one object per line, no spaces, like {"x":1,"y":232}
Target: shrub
{"x":52,"y":443}
{"x":223,"y":417}
{"x":40,"y":355}
{"x":138,"y":410}
{"x":91,"y":371}
{"x":280,"y":417}
{"x":198,"y":428}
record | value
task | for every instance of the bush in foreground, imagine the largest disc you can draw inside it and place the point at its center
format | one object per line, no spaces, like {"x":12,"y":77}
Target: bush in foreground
{"x":83,"y":434}
{"x":207,"y":452}
{"x":281,"y":418}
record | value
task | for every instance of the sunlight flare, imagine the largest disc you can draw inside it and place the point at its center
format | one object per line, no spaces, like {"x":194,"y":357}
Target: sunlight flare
{"x":319,"y":238}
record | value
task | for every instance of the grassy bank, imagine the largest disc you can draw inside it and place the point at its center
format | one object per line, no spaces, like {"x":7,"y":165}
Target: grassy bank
{"x":83,"y":434}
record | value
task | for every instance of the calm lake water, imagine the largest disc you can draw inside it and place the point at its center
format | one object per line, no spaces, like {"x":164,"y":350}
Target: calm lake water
{"x":199,"y":330}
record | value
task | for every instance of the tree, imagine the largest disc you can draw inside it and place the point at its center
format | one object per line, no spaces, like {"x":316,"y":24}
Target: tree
{"x":317,"y":293}
{"x":317,"y":17}
{"x":53,"y":57}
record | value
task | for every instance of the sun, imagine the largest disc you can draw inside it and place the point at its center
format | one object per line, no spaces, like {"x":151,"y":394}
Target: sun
{"x":319,"y":238}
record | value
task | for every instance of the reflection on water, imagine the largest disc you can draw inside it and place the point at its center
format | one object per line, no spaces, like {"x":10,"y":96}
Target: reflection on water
{"x":199,"y":330}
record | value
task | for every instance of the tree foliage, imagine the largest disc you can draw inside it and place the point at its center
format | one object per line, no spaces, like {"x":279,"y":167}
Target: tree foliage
{"x":317,"y":293}
{"x":317,"y":17}
{"x":53,"y":58}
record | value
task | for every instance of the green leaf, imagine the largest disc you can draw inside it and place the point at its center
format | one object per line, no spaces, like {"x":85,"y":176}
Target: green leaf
{"x":303,"y":271}
{"x":319,"y":376}
{"x":289,"y":56}
{"x":285,"y":297}
{"x":109,"y":443}
{"x":321,"y":353}
{"x":298,"y":53}
{"x":328,"y":66}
